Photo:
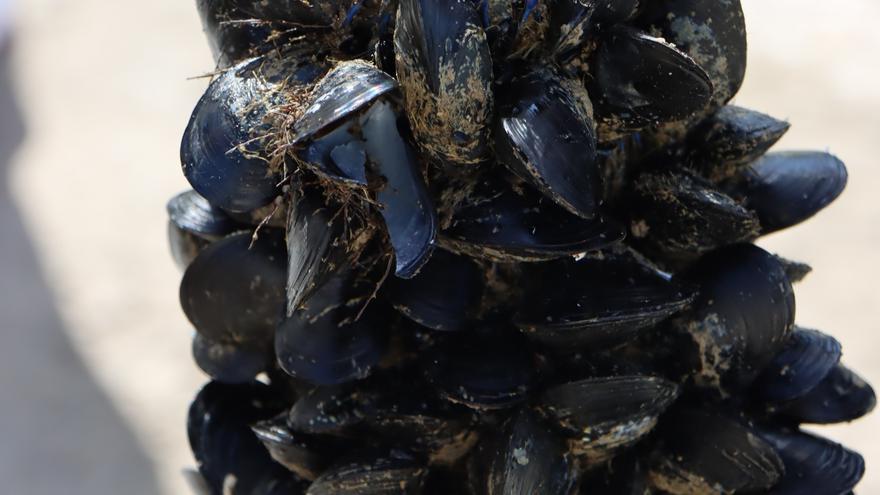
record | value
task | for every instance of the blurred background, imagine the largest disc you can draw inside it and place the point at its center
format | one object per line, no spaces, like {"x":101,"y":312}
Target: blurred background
{"x":95,"y":371}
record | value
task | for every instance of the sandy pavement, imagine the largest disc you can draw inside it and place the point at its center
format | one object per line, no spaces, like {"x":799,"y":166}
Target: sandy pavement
{"x":95,"y":366}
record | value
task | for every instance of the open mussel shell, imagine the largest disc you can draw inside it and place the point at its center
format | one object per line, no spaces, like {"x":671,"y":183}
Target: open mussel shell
{"x":712,"y":33}
{"x":603,"y":415}
{"x":315,"y":245}
{"x":528,"y":457}
{"x":703,"y":452}
{"x":501,"y":224}
{"x":223,"y":151}
{"x":445,"y":72}
{"x":545,"y":133}
{"x":230,"y":457}
{"x":230,"y":363}
{"x":349,"y":132}
{"x":487,"y":371}
{"x":337,"y":336}
{"x":404,"y":202}
{"x":680,"y":215}
{"x":730,"y":139}
{"x":592,"y":303}
{"x":813,"y":464}
{"x":233,"y":292}
{"x":806,"y":359}
{"x":443,"y":296}
{"x":742,"y":316}
{"x":396,"y":473}
{"x":841,"y":396}
{"x":350,"y":87}
{"x":786,"y":188}
{"x":640,"y":81}
{"x":304,"y":454}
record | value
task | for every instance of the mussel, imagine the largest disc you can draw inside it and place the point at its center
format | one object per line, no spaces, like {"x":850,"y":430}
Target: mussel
{"x":786,"y":188}
{"x":193,"y":224}
{"x":813,"y":464}
{"x":806,"y":359}
{"x":680,"y":216}
{"x":443,"y":296}
{"x":357,"y":92}
{"x":603,"y":415}
{"x":501,"y":223}
{"x":304,"y":454}
{"x":445,"y":72}
{"x":712,"y":33}
{"x":230,"y":363}
{"x":233,"y":292}
{"x":730,"y":139}
{"x":841,"y":396}
{"x":596,"y":302}
{"x":545,"y":133}
{"x":742,"y":316}
{"x":337,"y":336}
{"x":704,"y":452}
{"x":395,"y":473}
{"x":640,"y":80}
{"x":230,"y":458}
{"x":225,"y":152}
{"x":530,"y":458}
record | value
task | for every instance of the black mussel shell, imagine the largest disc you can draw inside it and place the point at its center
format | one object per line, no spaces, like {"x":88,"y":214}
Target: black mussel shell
{"x":315,"y":245}
{"x":445,"y":72}
{"x":184,"y":245}
{"x":304,"y":454}
{"x":742,"y":317}
{"x":640,"y":80}
{"x":704,"y":452}
{"x":230,"y":363}
{"x":545,"y":133}
{"x":230,"y":457}
{"x":337,"y":336}
{"x":596,"y":302}
{"x":484,"y":372}
{"x":333,"y":410}
{"x":231,"y":37}
{"x":530,"y":458}
{"x":603,"y":415}
{"x":841,"y":396}
{"x":730,"y":139}
{"x":223,"y":151}
{"x":786,"y":188}
{"x":499,"y":23}
{"x":501,"y":224}
{"x":404,"y":201}
{"x":338,"y":155}
{"x":533,"y":21}
{"x":233,"y":292}
{"x":681,"y":216}
{"x":192,"y":213}
{"x":713,"y":33}
{"x":806,"y":359}
{"x":396,"y":473}
{"x":350,"y":87}
{"x":814,"y":464}
{"x":443,"y":296}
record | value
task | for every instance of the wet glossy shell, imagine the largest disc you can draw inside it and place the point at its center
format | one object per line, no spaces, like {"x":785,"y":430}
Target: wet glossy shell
{"x":234,"y":291}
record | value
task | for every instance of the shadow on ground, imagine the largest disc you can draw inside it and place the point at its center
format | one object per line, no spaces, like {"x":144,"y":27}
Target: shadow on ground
{"x":59,"y":432}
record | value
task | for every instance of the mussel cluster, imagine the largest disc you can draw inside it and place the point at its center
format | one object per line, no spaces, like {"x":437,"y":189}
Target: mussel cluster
{"x":499,"y":247}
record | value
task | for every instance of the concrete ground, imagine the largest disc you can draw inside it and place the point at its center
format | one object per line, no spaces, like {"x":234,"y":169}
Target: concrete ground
{"x":95,"y":372}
